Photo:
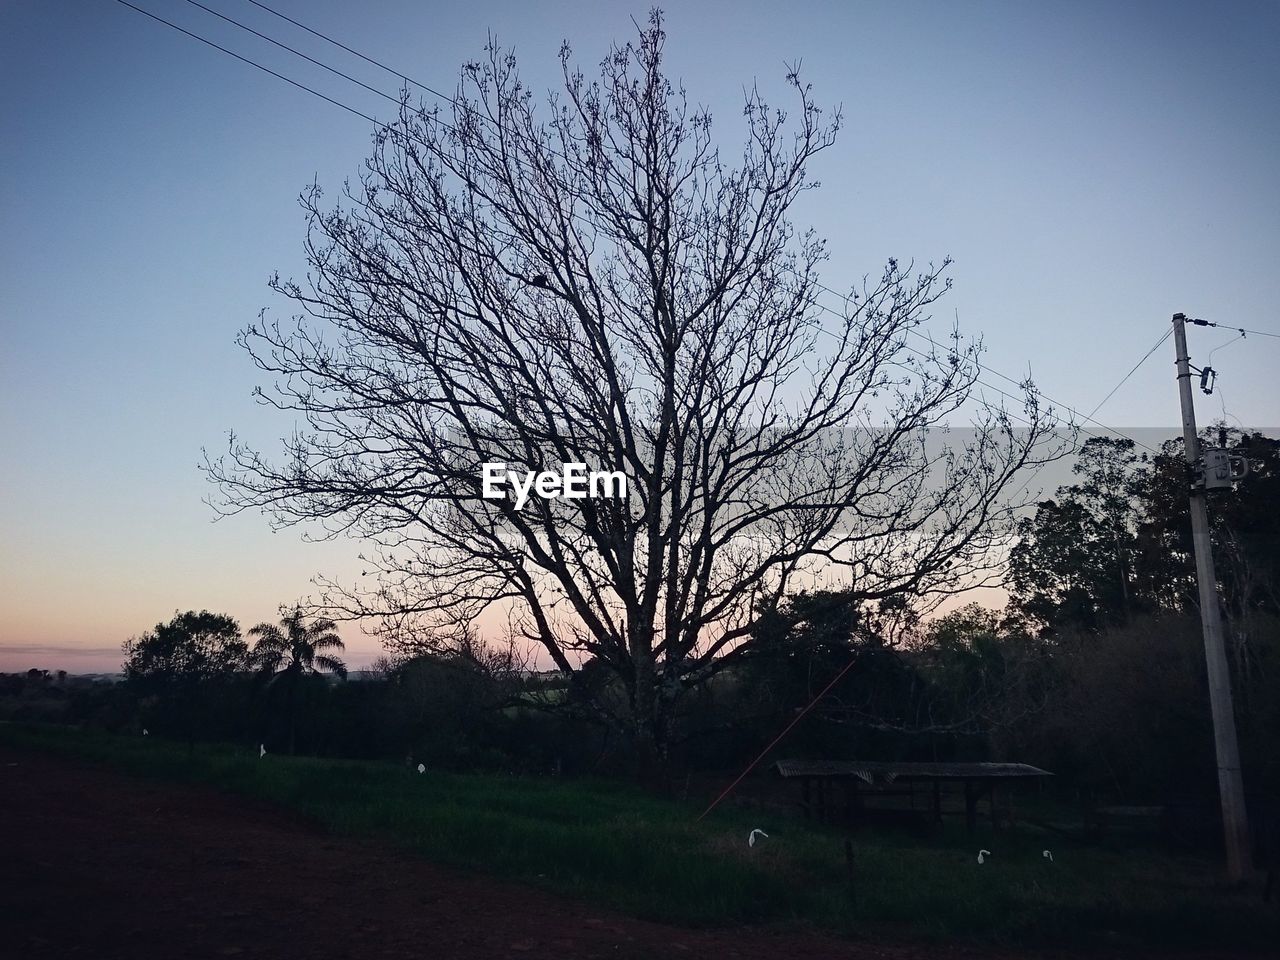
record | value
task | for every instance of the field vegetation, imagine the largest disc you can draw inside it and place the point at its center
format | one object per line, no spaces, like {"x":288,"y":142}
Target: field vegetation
{"x":610,"y":843}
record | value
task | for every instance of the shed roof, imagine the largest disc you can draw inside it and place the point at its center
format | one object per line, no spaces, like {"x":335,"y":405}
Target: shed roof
{"x":872,"y":771}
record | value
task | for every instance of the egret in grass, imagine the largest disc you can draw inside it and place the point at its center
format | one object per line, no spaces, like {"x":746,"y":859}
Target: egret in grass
{"x":422,"y":768}
{"x":982,"y":854}
{"x":751,"y":837}
{"x":262,"y":751}
{"x":1048,"y":855}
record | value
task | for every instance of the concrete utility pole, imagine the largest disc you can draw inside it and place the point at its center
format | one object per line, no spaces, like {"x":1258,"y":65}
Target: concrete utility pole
{"x":1235,"y":820}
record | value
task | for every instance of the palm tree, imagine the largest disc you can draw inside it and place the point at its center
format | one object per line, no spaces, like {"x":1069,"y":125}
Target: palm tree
{"x":293,"y":650}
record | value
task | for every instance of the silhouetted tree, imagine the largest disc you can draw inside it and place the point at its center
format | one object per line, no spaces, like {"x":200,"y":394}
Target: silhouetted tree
{"x":1118,"y":541}
{"x":1074,"y":563}
{"x":1244,"y":525}
{"x":599,"y":285}
{"x":987,"y":676}
{"x":290,"y":652}
{"x":185,"y":662}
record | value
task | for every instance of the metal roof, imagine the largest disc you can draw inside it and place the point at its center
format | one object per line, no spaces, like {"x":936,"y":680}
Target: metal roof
{"x":873,"y":771}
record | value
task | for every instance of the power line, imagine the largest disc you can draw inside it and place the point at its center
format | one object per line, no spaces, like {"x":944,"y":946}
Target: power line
{"x":1088,"y":418}
{"x":356,"y":53}
{"x":296,"y":53}
{"x":252,"y":63}
{"x":1145,"y":356}
{"x":819,"y":285}
{"x":1004,"y":393}
{"x":453,"y":101}
{"x":1208,"y":361}
{"x":1222,"y":401}
{"x":1123,"y":380}
{"x":1035,"y":473}
{"x":1228,"y":326}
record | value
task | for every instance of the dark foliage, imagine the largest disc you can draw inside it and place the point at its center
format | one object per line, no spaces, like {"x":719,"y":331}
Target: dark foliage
{"x":183,"y":669}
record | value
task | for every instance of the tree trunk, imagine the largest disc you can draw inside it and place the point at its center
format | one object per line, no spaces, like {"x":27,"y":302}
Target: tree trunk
{"x":648,"y":727}
{"x":291,"y":708}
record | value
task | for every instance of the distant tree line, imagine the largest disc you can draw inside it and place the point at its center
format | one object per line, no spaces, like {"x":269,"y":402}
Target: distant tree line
{"x":1094,"y":670}
{"x":189,"y":671}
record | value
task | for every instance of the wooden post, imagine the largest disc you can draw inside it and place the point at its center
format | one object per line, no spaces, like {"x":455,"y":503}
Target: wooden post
{"x":848,"y":862}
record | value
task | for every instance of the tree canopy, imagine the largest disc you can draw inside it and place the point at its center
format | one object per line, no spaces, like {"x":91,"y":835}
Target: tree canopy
{"x":190,"y":649}
{"x":1118,"y":541}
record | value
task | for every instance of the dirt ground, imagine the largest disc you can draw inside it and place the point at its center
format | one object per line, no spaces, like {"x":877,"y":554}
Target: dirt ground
{"x":95,"y":864}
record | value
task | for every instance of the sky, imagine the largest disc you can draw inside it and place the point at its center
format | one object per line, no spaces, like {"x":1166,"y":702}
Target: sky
{"x":1092,"y":168}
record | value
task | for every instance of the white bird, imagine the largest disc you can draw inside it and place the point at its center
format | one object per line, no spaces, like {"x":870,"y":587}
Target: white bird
{"x":144,"y":732}
{"x":751,"y":837}
{"x":262,"y":751}
{"x":1048,"y":855}
{"x":982,"y":854}
{"x":422,"y":768}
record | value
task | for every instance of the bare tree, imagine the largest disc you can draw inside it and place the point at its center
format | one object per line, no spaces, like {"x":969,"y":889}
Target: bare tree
{"x":589,"y":281}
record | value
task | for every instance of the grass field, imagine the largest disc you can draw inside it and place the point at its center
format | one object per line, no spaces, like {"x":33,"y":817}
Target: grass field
{"x":608,"y":843}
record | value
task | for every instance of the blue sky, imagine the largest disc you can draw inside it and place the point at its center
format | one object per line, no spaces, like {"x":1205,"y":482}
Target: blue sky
{"x":1092,"y":168}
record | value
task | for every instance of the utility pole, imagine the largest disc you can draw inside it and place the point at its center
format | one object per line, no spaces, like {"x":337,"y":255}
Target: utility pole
{"x":1235,"y":821}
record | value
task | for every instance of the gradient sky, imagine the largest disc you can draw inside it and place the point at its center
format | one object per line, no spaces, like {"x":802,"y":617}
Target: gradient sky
{"x":1092,"y":168}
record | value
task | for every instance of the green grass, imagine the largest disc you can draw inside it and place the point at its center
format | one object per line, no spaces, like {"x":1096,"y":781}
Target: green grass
{"x":607,"y":843}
